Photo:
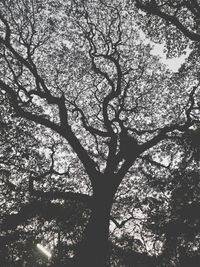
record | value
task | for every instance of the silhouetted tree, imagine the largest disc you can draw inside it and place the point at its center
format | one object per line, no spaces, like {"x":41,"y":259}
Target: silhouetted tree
{"x":78,"y":69}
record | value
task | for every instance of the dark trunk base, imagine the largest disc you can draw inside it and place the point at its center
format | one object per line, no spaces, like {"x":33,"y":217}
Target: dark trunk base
{"x":94,"y":250}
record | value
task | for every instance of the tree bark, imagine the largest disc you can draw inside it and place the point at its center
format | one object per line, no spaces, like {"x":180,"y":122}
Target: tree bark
{"x":94,"y":251}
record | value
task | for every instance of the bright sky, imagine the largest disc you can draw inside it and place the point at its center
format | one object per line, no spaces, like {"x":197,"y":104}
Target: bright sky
{"x":158,"y":50}
{"x":173,"y":63}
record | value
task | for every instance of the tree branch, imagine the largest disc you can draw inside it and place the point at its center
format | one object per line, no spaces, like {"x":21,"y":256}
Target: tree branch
{"x":153,"y":9}
{"x":31,"y":210}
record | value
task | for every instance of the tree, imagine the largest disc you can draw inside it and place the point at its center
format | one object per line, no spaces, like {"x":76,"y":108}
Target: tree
{"x":176,"y":21}
{"x":84,"y":76}
{"x":175,"y":218}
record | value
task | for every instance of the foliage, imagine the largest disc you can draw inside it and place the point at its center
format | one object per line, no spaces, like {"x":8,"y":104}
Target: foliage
{"x":171,"y":22}
{"x":90,"y":117}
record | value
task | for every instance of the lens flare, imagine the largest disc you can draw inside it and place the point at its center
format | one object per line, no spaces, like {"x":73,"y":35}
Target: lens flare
{"x":44,"y":250}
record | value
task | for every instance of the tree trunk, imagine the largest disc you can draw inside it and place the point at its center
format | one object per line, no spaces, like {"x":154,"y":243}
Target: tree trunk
{"x":94,"y":249}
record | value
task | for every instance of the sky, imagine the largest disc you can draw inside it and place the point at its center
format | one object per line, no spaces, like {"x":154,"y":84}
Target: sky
{"x":172,"y":63}
{"x":158,"y":50}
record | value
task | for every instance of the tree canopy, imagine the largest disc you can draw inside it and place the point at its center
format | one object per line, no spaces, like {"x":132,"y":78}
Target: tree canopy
{"x":99,"y":140}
